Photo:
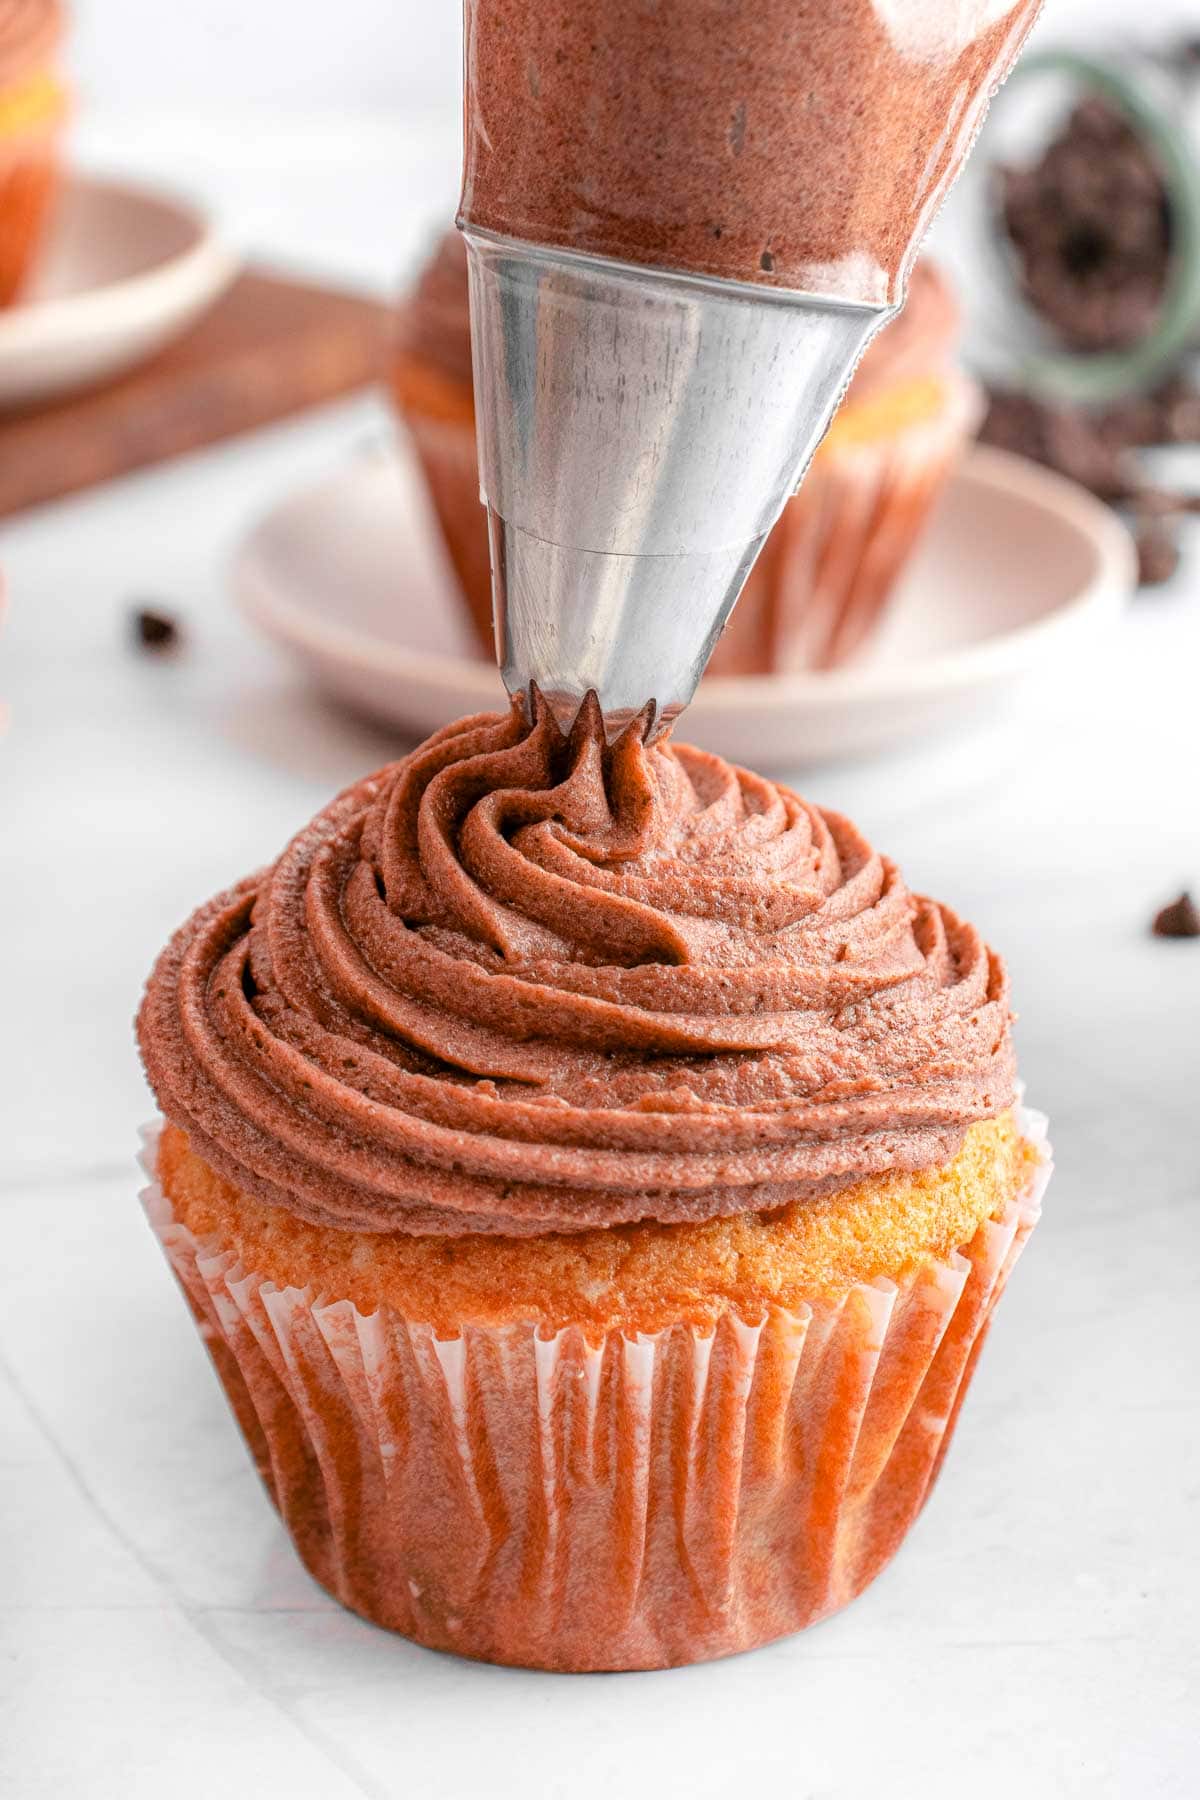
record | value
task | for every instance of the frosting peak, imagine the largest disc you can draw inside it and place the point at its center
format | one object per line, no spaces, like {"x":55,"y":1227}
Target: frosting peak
{"x":522,"y":983}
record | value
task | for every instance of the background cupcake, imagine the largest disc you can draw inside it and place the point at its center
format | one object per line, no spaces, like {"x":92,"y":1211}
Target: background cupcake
{"x":592,"y":1172}
{"x":32,"y":111}
{"x":825,"y":574}
{"x":432,"y":385}
{"x":823,"y":579}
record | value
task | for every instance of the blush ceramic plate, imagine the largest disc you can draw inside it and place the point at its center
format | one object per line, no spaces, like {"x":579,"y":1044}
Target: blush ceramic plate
{"x":121,"y":273}
{"x":1017,"y":571}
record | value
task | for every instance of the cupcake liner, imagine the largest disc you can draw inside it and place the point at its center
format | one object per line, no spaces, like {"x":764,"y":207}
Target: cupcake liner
{"x":29,"y":176}
{"x":449,"y":460}
{"x":822,"y":582}
{"x":559,"y":1502}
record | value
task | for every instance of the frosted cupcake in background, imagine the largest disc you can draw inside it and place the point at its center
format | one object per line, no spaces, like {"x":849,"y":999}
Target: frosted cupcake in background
{"x":822,"y":582}
{"x":33,"y":109}
{"x":593,"y":1174}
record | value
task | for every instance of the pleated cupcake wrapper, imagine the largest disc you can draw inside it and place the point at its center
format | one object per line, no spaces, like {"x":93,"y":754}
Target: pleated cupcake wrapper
{"x":567,"y":1502}
{"x":821,"y":585}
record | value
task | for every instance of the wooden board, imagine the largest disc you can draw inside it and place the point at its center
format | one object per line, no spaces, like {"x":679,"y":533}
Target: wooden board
{"x":271,"y":346}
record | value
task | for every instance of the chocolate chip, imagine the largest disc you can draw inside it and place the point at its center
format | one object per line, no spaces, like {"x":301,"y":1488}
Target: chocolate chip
{"x":1062,"y":438}
{"x":1179,"y":920}
{"x":766,"y":262}
{"x":154,"y":630}
{"x":1159,"y":503}
{"x":1157,"y":553}
{"x":1093,"y":448}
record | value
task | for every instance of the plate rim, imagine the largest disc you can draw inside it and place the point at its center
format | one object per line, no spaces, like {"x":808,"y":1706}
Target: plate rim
{"x":1109,"y":587}
{"x":206,"y":263}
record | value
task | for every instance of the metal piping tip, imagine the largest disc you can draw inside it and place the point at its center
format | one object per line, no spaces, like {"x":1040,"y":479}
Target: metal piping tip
{"x":639,"y":433}
{"x":630,"y":629}
{"x":570,"y":714}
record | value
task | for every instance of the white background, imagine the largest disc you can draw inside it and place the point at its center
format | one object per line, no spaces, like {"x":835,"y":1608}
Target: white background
{"x":371,"y":54}
{"x":1038,"y":1633}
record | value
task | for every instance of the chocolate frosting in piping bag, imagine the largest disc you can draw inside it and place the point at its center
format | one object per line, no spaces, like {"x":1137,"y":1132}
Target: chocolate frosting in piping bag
{"x":802,"y":144}
{"x":519,"y":983}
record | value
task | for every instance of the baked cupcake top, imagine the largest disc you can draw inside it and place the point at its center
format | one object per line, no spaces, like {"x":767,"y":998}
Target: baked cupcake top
{"x":920,"y":340}
{"x":30,"y":31}
{"x":517,"y":983}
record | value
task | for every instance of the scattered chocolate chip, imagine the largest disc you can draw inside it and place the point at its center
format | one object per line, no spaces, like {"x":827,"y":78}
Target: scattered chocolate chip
{"x":1178,"y":406}
{"x":1157,"y":552}
{"x":1095,"y":449}
{"x":1179,"y":920}
{"x":155,"y":630}
{"x":1158,"y":503}
{"x":1063,"y":438}
{"x":766,"y":262}
{"x":1170,"y":415}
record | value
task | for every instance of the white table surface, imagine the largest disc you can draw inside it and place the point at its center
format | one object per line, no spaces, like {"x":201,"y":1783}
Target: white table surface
{"x":1038,"y":1633}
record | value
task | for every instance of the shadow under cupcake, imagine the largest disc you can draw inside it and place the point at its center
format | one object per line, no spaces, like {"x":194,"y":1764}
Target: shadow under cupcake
{"x":593,"y":1174}
{"x":822,"y":582}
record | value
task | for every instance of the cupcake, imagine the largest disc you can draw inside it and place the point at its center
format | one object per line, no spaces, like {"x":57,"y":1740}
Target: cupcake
{"x":821,"y":584}
{"x":592,"y":1172}
{"x":824,"y":576}
{"x":434,"y":393}
{"x":32,"y":111}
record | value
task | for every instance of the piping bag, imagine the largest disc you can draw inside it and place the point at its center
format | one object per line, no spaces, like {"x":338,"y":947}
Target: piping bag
{"x":685,"y":220}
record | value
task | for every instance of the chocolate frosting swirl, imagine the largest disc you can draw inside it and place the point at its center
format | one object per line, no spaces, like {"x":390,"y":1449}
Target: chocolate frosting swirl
{"x":516,"y":983}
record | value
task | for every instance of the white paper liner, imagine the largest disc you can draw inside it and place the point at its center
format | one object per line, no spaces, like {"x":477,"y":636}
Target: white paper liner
{"x":633,"y":1503}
